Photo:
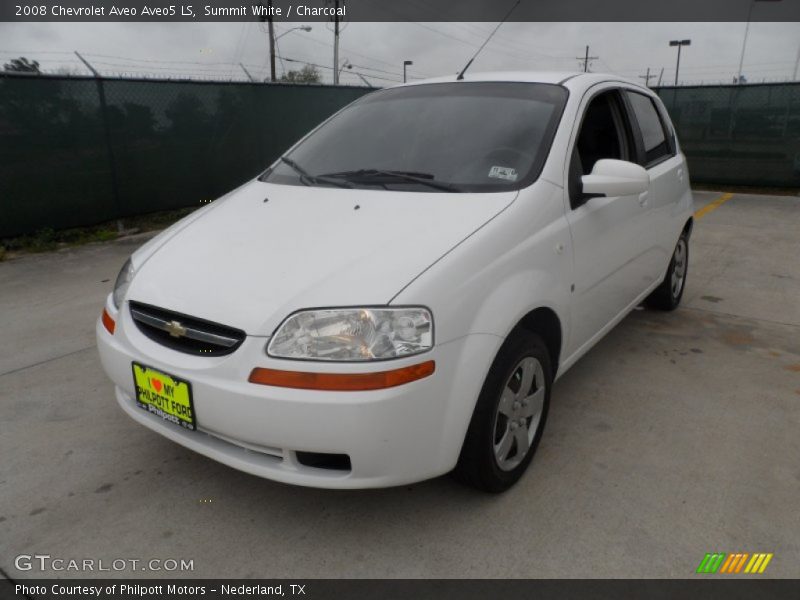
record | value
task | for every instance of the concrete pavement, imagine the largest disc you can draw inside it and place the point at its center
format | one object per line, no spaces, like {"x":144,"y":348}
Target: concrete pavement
{"x":677,"y":435}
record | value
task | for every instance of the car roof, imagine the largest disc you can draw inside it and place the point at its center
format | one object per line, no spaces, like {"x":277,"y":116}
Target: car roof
{"x":574,"y":80}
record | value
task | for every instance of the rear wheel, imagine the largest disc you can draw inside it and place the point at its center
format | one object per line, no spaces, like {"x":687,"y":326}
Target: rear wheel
{"x":668,"y":295}
{"x":509,"y":417}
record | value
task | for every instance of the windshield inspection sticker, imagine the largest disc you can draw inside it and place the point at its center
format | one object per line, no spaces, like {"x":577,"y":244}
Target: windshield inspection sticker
{"x":506,"y":173}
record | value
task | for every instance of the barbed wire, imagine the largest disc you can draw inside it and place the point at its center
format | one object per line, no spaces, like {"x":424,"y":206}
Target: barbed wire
{"x":68,"y":64}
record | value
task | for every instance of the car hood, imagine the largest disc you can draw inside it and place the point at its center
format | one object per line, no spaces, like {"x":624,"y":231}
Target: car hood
{"x":267,"y":250}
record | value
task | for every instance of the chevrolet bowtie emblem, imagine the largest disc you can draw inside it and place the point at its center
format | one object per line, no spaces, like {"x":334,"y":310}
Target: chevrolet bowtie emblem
{"x":175,"y":329}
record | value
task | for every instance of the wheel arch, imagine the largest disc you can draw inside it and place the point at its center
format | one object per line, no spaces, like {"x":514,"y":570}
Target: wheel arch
{"x":544,"y":322}
{"x":688,"y":227}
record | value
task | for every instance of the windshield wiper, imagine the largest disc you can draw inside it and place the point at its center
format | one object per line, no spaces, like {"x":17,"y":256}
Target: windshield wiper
{"x":416,"y":177}
{"x":307,"y":177}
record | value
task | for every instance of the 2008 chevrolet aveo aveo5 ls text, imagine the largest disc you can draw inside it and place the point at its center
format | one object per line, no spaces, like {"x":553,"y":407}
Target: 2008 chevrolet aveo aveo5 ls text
{"x":393,"y":298}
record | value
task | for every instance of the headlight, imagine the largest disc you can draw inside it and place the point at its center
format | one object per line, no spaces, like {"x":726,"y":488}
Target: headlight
{"x":350,"y":334}
{"x":123,"y":282}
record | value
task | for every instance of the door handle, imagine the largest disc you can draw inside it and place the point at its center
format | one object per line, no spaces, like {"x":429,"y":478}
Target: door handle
{"x":680,"y":174}
{"x":643,"y":198}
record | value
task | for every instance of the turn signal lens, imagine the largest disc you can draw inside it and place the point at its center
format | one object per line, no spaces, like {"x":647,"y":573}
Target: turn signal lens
{"x":108,"y":322}
{"x":341,"y":382}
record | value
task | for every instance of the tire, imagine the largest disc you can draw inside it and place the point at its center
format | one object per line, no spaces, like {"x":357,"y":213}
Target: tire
{"x":668,"y":295}
{"x":488,"y":460}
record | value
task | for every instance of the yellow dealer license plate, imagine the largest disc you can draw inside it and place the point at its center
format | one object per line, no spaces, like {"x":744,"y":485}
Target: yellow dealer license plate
{"x":164,"y":395}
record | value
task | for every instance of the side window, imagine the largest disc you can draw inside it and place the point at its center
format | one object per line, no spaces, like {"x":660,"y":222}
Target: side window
{"x":604,"y":133}
{"x":654,"y":138}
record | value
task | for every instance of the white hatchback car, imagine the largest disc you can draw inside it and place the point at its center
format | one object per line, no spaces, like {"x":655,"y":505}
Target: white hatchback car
{"x":393,"y":298}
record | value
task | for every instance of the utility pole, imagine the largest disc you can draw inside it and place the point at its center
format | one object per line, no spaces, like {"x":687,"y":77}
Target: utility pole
{"x":647,"y":77}
{"x":585,"y":60}
{"x":336,"y":42}
{"x":660,"y":75}
{"x":271,"y":27}
{"x":680,"y":44}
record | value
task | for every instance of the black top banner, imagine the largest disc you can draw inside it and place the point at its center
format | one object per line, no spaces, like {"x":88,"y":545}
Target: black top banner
{"x":403,"y":10}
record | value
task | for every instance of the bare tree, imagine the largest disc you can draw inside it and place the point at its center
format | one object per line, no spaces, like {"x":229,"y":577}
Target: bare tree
{"x":22,"y":65}
{"x":308,"y":74}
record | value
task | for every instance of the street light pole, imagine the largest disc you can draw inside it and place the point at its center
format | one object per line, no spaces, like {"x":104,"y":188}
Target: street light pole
{"x":406,"y":63}
{"x":679,"y":44}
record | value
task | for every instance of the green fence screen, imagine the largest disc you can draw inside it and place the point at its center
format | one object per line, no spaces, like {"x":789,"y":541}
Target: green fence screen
{"x":739,"y":134}
{"x":78,"y":151}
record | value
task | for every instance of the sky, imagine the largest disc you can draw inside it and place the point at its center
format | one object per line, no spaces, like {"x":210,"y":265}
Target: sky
{"x":377,"y":50}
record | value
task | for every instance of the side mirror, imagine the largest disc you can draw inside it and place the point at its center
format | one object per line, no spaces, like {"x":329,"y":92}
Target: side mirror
{"x":611,"y":177}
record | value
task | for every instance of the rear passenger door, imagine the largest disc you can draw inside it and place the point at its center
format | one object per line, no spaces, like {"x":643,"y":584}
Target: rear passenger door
{"x":668,"y":178}
{"x":608,"y":233}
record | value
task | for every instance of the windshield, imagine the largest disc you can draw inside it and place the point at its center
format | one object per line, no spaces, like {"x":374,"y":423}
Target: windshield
{"x":444,"y":137}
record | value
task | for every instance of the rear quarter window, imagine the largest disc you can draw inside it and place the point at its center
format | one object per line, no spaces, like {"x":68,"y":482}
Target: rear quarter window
{"x":654,"y":135}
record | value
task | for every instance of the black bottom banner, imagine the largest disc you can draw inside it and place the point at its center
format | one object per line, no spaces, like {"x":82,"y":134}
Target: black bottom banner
{"x":390,"y":589}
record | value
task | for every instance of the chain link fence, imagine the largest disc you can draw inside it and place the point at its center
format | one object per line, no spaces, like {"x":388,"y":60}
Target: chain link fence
{"x":78,"y":151}
{"x":739,"y":134}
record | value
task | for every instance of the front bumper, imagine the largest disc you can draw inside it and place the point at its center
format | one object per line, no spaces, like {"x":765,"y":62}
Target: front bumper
{"x":392,"y":436}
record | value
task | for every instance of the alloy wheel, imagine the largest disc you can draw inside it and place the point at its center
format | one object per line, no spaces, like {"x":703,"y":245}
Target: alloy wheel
{"x":519,"y":413}
{"x":678,"y":268}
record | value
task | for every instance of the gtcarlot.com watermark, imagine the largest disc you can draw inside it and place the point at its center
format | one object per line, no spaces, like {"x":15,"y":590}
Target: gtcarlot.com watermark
{"x":46,"y":562}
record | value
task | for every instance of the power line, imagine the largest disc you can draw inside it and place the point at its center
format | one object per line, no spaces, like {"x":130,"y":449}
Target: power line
{"x":517,"y":56}
{"x":217,"y":68}
{"x":472,"y":29}
{"x":327,"y":67}
{"x":297,"y":60}
{"x":364,"y":56}
{"x":471,"y":44}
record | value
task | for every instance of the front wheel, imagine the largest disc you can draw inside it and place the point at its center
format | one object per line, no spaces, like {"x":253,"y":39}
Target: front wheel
{"x":668,"y":295}
{"x":509,"y":416}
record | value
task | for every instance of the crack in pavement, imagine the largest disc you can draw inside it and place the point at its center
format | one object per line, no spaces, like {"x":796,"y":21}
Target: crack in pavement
{"x":47,"y":360}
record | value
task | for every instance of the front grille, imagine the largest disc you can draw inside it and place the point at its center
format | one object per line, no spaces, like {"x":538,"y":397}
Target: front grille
{"x":184,"y":333}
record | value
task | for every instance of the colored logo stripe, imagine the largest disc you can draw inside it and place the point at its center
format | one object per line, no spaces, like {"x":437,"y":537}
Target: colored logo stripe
{"x":734,"y":562}
{"x":758,"y":563}
{"x":711,"y":563}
